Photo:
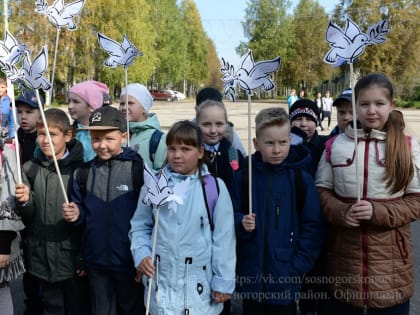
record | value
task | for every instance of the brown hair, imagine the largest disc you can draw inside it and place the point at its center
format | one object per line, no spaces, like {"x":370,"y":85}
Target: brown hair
{"x":268,"y":117}
{"x":56,"y":118}
{"x":187,"y":132}
{"x":399,"y":167}
{"x":209,"y":103}
{"x":3,"y":81}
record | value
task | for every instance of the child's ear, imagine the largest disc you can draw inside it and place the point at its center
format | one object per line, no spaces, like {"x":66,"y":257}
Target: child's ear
{"x":68,"y":135}
{"x":200,"y":153}
{"x":123,"y":138}
{"x":255,"y":141}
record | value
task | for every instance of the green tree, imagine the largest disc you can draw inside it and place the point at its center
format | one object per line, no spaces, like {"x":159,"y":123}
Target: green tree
{"x":214,"y":76}
{"x":399,"y":56}
{"x":170,"y":44}
{"x":267,"y":29}
{"x":307,"y":68}
{"x":195,"y":66}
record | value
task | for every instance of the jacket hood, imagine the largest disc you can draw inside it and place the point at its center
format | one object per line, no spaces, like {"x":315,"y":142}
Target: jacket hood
{"x":299,"y":157}
{"x":75,"y":156}
{"x":152,"y":122}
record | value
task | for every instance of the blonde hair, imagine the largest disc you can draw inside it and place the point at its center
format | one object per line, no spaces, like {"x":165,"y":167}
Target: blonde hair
{"x":399,"y":167}
{"x":268,"y":117}
{"x":209,"y":103}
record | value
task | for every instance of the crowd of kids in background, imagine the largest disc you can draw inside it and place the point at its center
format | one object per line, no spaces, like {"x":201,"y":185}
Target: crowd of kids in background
{"x":311,"y":238}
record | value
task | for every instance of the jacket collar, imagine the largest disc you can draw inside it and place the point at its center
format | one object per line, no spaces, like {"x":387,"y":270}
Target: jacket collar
{"x":362,"y":134}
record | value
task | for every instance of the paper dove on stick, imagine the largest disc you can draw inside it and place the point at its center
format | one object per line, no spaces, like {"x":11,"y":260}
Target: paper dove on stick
{"x":32,"y":73}
{"x":350,"y":43}
{"x":11,"y":49}
{"x":251,"y":75}
{"x":119,"y":54}
{"x":60,"y":15}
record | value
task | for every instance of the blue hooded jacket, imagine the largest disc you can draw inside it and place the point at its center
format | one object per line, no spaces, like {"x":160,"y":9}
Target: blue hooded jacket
{"x":106,"y":207}
{"x":286,"y":241}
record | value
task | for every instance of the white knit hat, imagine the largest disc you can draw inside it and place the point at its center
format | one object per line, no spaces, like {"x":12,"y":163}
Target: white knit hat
{"x":140,"y":93}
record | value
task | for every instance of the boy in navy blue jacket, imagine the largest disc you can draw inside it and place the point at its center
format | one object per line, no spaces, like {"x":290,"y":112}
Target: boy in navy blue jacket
{"x":283,"y":236}
{"x":104,"y":198}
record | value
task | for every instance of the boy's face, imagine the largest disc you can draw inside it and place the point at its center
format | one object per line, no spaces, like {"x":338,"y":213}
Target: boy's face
{"x":183,"y":158}
{"x":107,"y":143}
{"x":58,"y":138}
{"x":78,"y":109}
{"x":136,"y":111}
{"x":344,"y":114}
{"x":212,"y":123}
{"x":305,"y":124}
{"x":27,"y":117}
{"x":3,"y":89}
{"x":274,"y":143}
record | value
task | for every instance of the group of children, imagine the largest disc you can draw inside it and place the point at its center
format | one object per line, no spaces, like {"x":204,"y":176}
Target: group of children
{"x":93,"y":254}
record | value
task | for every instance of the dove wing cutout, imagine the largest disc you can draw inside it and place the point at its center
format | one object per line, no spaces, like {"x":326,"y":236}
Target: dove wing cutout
{"x":31,"y":74}
{"x":60,"y":15}
{"x":157,"y":188}
{"x":11,"y":49}
{"x":349,"y":44}
{"x":119,"y":54}
{"x":252,"y":75}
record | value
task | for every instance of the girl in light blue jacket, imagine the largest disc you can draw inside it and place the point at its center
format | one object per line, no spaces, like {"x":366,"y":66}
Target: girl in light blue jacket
{"x":194,"y":266}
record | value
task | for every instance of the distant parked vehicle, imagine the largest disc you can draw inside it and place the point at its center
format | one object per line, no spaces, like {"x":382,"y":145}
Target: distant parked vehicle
{"x":163,"y":95}
{"x":179,"y":96}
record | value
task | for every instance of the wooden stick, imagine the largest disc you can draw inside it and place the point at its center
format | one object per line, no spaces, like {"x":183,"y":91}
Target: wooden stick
{"x":353,"y":104}
{"x":48,"y":99}
{"x":126,"y":105}
{"x":155,"y":230}
{"x":44,"y":121}
{"x":249,"y":156}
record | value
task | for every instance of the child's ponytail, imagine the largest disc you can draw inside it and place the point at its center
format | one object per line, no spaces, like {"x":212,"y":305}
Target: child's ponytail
{"x":398,"y":161}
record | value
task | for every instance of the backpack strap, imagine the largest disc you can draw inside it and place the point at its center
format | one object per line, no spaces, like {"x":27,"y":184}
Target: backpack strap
{"x":233,"y":157}
{"x":328,"y":146}
{"x":82,"y":176}
{"x":154,"y":143}
{"x":137,"y":169}
{"x":211,"y":194}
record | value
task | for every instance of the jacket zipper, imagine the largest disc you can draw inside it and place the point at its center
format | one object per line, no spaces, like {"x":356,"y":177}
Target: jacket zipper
{"x":107,"y":213}
{"x":266,"y":229}
{"x":364,"y":232}
{"x":276,"y":221}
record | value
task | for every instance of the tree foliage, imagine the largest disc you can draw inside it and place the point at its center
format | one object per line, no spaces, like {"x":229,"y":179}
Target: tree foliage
{"x":299,"y":38}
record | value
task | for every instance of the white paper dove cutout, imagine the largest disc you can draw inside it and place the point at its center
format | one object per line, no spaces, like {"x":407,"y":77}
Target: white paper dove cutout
{"x":249,"y":75}
{"x":60,"y":15}
{"x":158,"y":191}
{"x":350,"y":43}
{"x":11,"y":49}
{"x":228,"y":79}
{"x":32,"y":73}
{"x":119,"y":54}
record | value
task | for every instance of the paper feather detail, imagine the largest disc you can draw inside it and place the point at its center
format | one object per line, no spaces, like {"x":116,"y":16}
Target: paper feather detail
{"x":119,"y":54}
{"x":11,"y":49}
{"x":60,"y":15}
{"x":348,"y":44}
{"x":249,"y":75}
{"x":158,"y":191}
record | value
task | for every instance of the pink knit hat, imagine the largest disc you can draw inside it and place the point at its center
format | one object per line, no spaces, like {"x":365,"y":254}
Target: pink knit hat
{"x":92,"y":92}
